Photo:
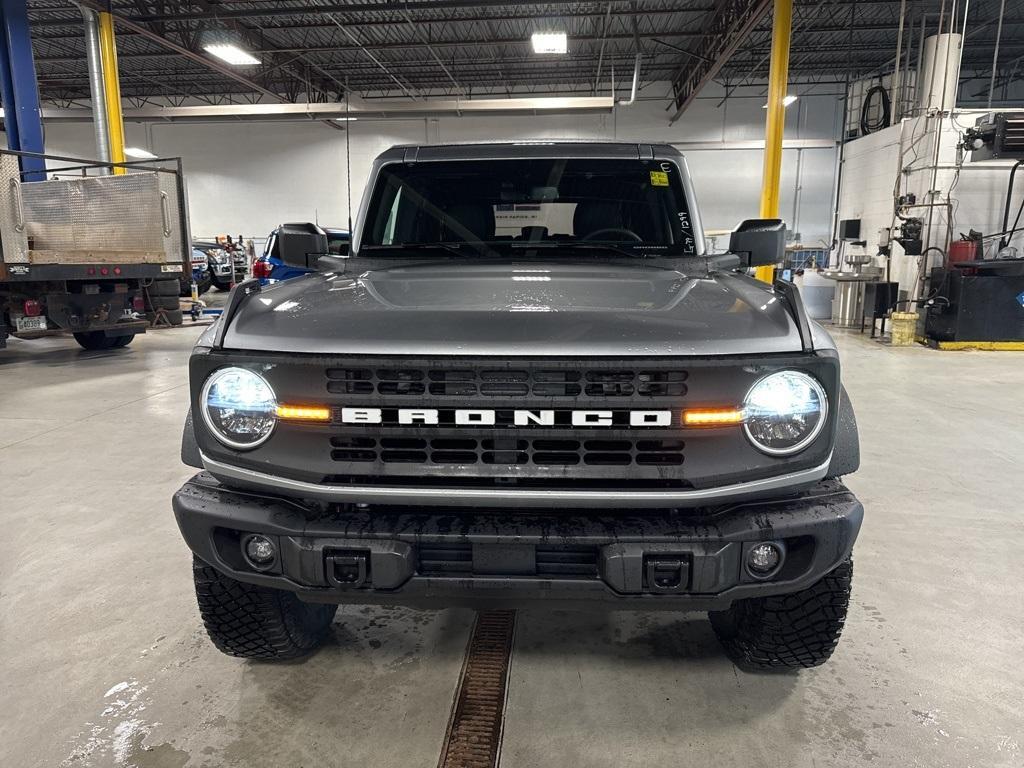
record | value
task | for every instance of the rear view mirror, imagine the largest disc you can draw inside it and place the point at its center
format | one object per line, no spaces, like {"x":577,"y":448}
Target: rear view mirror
{"x":301,"y":245}
{"x":759,"y":241}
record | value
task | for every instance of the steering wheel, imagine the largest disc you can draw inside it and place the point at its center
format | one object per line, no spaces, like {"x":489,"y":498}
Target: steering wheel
{"x":620,"y":230}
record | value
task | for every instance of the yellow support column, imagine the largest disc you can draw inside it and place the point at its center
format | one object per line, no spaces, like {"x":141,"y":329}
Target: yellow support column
{"x":112,"y":90}
{"x":775,"y":122}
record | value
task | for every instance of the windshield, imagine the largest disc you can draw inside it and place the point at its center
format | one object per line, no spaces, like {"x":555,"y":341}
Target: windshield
{"x":632,"y":206}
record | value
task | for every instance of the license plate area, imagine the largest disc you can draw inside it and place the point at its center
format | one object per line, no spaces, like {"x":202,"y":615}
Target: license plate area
{"x":23,"y":324}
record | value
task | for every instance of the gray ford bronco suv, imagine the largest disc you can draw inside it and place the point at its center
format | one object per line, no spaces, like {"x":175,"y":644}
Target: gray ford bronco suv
{"x":528,"y":383}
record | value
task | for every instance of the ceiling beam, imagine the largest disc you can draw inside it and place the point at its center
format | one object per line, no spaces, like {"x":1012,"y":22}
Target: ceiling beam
{"x":724,"y":32}
{"x":181,"y":50}
{"x":387,"y":6}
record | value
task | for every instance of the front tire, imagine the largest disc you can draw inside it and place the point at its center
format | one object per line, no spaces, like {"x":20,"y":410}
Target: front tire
{"x":98,"y":340}
{"x":253,"y":622}
{"x":791,"y":631}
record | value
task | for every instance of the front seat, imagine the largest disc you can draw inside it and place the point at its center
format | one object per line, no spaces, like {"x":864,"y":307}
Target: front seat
{"x":466,"y":222}
{"x":594,"y":215}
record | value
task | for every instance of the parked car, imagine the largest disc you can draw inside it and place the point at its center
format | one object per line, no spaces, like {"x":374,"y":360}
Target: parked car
{"x":269,"y":268}
{"x":220,"y":264}
{"x":200,"y":274}
{"x":527,"y":384}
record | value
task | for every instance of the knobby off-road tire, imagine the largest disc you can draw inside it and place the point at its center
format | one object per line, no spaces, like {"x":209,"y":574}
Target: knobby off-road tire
{"x":254,"y":622}
{"x":787,"y":631}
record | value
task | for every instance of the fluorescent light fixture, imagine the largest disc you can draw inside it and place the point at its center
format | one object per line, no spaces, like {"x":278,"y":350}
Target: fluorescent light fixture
{"x":786,"y":101}
{"x":345,"y":119}
{"x":231,"y":53}
{"x":549,"y":42}
{"x":138,"y":153}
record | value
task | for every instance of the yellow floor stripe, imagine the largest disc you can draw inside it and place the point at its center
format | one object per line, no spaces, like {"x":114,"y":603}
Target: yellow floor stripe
{"x":990,"y":346}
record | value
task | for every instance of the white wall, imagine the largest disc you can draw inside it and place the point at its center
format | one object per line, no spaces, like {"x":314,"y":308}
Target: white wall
{"x":870,"y":168}
{"x":247,"y":177}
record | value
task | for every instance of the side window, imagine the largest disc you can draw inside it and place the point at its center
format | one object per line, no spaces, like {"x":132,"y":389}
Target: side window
{"x":271,"y":249}
{"x":388,"y":237}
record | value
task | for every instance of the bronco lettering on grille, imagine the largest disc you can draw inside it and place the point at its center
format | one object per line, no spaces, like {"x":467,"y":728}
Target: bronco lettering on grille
{"x":484,"y":417}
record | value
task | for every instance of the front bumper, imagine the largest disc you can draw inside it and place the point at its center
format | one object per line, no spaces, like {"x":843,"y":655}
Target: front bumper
{"x":221,"y":271}
{"x":437,"y":557}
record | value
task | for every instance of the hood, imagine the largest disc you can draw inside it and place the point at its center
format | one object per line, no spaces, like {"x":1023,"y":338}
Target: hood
{"x":593,"y":308}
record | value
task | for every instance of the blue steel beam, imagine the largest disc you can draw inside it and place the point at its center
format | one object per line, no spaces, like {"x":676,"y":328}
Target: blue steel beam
{"x":19,"y":89}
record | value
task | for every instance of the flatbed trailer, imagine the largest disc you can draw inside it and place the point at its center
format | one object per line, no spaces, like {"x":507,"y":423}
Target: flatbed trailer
{"x":87,"y":253}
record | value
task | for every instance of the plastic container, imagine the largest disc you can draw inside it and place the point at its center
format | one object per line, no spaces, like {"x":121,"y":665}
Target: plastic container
{"x":904,"y":328}
{"x":963,"y":250}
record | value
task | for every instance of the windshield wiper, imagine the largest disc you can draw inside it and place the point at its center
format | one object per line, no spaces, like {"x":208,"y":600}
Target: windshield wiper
{"x":456,"y":249}
{"x":556,"y":246}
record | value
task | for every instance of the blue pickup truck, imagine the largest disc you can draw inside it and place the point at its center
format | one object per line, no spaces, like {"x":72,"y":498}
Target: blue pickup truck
{"x":270,"y":269}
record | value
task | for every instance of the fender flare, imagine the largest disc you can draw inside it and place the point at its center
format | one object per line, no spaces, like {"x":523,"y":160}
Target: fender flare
{"x":846,"y":451}
{"x":189,"y":447}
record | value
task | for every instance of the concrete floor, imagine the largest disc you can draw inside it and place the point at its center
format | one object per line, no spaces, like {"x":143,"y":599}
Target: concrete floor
{"x":105,"y":663}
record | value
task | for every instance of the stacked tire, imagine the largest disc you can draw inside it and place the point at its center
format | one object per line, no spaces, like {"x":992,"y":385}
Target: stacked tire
{"x":185,"y":290}
{"x":163,"y":294}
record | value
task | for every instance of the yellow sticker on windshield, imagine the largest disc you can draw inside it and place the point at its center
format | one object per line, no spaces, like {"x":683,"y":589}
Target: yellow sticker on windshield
{"x":659,"y":179}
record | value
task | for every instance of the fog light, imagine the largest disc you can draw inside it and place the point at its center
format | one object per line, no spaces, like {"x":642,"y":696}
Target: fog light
{"x":260,"y":550}
{"x":764,"y":558}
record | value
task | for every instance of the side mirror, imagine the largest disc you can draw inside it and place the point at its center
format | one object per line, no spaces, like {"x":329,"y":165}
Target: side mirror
{"x":759,"y":241}
{"x":301,"y":245}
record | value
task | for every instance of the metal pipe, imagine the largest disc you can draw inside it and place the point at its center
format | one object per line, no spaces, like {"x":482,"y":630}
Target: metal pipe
{"x":636,"y":82}
{"x":896,"y":84}
{"x":600,"y":56}
{"x":636,"y":66}
{"x":112,"y":90}
{"x":905,"y":79}
{"x":995,"y":53}
{"x":94,"y":60}
{"x":919,"y":77}
{"x":798,"y":189}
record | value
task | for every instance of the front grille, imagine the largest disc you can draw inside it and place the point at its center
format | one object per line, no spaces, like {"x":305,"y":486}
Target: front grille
{"x":553,"y":561}
{"x":514,"y":451}
{"x":507,"y":383}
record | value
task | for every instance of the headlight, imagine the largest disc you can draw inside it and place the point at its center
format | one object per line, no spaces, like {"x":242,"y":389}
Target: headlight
{"x":784,"y":412}
{"x":239,"y":407}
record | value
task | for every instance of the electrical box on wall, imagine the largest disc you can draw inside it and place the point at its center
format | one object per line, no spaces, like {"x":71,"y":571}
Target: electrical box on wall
{"x":849,"y":229}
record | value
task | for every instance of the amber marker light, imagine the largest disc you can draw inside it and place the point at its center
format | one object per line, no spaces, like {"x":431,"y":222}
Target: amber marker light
{"x":303,"y":413}
{"x":712,"y":417}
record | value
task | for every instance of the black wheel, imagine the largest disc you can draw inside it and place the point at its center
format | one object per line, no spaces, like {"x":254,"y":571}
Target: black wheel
{"x":165,"y":287}
{"x":254,"y":622}
{"x":166,"y":302}
{"x":222,"y":286}
{"x":94,"y":340}
{"x":787,"y":631}
{"x":204,"y":284}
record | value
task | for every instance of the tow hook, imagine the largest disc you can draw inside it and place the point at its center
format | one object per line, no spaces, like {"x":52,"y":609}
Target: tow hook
{"x":347,"y":571}
{"x":666,"y":574}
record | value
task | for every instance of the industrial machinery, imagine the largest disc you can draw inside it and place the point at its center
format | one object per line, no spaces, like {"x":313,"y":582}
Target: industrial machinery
{"x":83,"y":252}
{"x":996,"y":136}
{"x":973,"y":299}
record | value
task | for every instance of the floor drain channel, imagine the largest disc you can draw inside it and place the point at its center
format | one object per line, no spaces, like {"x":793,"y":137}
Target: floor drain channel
{"x":474,"y":732}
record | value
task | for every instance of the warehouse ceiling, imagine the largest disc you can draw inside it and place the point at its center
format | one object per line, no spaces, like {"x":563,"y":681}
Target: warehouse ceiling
{"x":317,"y":51}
